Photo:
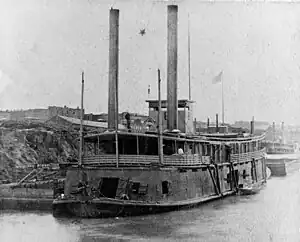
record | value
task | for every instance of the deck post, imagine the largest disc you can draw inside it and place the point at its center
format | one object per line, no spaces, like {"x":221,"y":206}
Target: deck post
{"x":137,"y":145}
{"x":160,"y":140}
{"x":81,"y":121}
{"x":217,"y":124}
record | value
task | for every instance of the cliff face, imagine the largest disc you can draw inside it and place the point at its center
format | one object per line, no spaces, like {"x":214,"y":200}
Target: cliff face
{"x":24,"y":144}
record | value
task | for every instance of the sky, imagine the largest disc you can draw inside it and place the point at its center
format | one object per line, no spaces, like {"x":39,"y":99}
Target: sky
{"x":45,"y":44}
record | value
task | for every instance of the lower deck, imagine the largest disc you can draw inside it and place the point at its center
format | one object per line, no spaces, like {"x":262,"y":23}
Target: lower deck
{"x":163,"y":185}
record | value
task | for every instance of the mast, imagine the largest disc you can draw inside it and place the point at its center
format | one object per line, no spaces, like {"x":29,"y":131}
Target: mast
{"x":116,"y":131}
{"x":222,"y":102}
{"x":189,"y":57}
{"x":81,"y":120}
{"x":160,"y":140}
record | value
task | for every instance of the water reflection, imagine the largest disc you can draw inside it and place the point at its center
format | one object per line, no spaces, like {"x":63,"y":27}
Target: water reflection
{"x":271,"y":215}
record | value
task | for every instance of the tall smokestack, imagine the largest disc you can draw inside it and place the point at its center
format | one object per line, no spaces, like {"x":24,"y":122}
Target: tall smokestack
{"x":252,"y":126}
{"x":113,"y":68}
{"x":172,"y":106}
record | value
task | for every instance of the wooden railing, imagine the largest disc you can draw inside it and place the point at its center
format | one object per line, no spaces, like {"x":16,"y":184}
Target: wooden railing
{"x":243,"y":157}
{"x":186,"y":160}
{"x":52,"y":166}
{"x":146,"y":160}
{"x":124,"y":160}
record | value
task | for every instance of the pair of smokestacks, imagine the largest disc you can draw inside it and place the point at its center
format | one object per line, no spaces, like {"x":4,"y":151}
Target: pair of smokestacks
{"x":282,"y":126}
{"x":217,"y":124}
{"x":172,"y":102}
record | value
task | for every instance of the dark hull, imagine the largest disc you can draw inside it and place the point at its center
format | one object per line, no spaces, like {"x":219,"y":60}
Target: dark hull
{"x":102,"y":208}
{"x":279,"y":153}
{"x":282,"y":167}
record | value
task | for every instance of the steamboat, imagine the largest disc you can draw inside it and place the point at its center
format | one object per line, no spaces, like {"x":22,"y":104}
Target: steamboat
{"x":282,"y":157}
{"x":163,"y":167}
{"x":280,"y":146}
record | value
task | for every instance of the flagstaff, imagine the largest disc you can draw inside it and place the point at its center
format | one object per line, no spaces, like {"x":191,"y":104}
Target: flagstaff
{"x":222,"y":101}
{"x":189,"y":58}
{"x":218,"y":79}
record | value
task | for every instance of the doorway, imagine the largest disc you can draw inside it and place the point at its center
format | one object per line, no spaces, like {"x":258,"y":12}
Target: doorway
{"x":108,"y":187}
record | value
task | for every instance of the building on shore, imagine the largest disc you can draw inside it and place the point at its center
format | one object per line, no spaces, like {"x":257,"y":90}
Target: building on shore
{"x":40,"y":114}
{"x":74,"y":123}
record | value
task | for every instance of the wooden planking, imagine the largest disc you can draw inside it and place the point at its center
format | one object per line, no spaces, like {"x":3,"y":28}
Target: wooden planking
{"x":173,"y":160}
{"x":52,"y":165}
{"x":247,"y":156}
{"x":186,"y":160}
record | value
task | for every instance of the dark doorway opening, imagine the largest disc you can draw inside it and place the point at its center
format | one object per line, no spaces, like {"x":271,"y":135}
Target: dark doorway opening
{"x":165,"y":187}
{"x":108,"y":187}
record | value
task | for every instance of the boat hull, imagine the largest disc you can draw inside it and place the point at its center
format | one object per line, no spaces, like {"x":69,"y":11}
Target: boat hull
{"x":282,"y":167}
{"x":103,"y":208}
{"x":132,"y":191}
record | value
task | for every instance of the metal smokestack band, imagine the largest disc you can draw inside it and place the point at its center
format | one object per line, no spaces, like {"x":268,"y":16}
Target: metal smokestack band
{"x":172,"y":103}
{"x":113,"y":68}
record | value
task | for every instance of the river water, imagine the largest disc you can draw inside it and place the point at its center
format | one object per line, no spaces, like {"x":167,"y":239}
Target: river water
{"x":271,"y":215}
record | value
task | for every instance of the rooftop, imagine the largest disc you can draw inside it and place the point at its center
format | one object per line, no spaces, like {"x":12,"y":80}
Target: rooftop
{"x":89,"y":123}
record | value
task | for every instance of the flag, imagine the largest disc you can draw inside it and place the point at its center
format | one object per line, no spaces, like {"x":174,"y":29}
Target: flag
{"x":217,"y":78}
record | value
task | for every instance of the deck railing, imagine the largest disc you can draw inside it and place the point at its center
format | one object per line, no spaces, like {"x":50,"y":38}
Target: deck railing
{"x":52,"y":166}
{"x":244,"y":157}
{"x":170,"y":160}
{"x":124,"y":160}
{"x":146,"y":160}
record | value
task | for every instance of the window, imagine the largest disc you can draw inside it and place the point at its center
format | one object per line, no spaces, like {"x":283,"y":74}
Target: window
{"x":135,"y":187}
{"x":165,"y":187}
{"x":143,"y":189}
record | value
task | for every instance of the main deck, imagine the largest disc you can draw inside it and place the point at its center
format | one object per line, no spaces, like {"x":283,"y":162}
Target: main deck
{"x":133,"y":184}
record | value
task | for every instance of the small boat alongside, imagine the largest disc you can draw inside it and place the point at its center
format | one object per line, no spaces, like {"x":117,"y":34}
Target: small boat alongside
{"x":250,"y":189}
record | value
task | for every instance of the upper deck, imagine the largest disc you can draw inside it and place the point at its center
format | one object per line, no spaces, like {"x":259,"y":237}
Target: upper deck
{"x":179,"y":150}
